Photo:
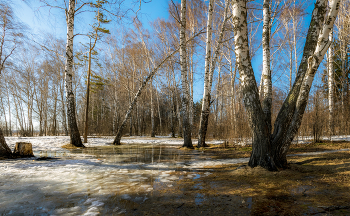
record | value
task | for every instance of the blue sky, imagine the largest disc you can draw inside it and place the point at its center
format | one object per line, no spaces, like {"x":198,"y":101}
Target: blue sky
{"x":45,"y":20}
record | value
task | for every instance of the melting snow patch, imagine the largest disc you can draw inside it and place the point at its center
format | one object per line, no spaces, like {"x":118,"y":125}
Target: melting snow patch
{"x":201,"y":164}
{"x":126,"y":196}
{"x":317,"y":153}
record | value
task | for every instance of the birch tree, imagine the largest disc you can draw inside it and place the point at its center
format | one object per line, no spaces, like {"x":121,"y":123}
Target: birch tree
{"x":210,"y":62}
{"x":266,"y":93}
{"x":185,"y":94}
{"x":70,"y":99}
{"x":10,"y":37}
{"x":137,"y":95}
{"x":330,"y":69}
{"x":270,"y":151}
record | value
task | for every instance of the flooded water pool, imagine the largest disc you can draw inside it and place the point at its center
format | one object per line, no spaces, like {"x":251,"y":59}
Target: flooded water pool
{"x":98,"y":180}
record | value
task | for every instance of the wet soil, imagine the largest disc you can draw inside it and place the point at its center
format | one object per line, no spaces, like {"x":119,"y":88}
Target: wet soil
{"x":313,"y":185}
{"x":155,"y":180}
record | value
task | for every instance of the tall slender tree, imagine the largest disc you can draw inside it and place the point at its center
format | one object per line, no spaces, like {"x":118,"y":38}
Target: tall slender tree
{"x":330,"y":69}
{"x":70,"y":99}
{"x":185,"y":94}
{"x":10,"y":38}
{"x":210,"y":63}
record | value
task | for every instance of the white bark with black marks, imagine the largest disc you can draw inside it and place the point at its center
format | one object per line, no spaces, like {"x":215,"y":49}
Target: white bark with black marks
{"x":313,"y":63}
{"x":284,"y":128}
{"x":206,"y":98}
{"x":261,"y":144}
{"x":132,"y":104}
{"x":330,"y":86}
{"x":70,"y":100}
{"x":210,"y":62}
{"x":185,"y":94}
{"x":266,"y":93}
{"x":270,"y":152}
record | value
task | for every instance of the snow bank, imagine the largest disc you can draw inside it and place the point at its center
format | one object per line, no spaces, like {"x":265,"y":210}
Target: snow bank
{"x":54,"y":143}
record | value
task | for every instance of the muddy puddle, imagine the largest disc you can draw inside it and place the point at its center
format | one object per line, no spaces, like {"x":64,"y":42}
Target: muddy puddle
{"x":100,"y":180}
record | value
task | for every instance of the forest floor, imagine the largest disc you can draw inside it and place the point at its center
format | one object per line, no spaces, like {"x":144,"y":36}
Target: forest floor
{"x":317,"y":184}
{"x":153,"y":178}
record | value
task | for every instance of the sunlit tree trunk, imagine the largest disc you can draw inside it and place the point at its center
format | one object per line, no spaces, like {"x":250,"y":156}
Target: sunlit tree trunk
{"x":206,"y":96}
{"x":210,"y":62}
{"x":270,"y":152}
{"x":70,"y":100}
{"x":330,"y":87}
{"x":267,"y":83}
{"x":317,"y":41}
{"x":133,"y":102}
{"x":185,"y":94}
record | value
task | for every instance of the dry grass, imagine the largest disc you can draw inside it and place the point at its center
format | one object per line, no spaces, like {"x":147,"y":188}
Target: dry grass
{"x":70,"y":146}
{"x":312,"y":185}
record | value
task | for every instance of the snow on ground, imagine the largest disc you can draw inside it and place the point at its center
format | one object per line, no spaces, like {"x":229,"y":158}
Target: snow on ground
{"x":54,"y":143}
{"x":297,"y":140}
{"x":319,"y":152}
{"x":86,"y":180}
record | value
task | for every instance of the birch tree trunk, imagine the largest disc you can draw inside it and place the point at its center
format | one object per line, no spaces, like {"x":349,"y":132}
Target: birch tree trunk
{"x":330,"y":87}
{"x":267,"y":83}
{"x":5,"y":151}
{"x":72,"y":123}
{"x":261,"y":142}
{"x":185,"y":94}
{"x":132,"y":104}
{"x":270,"y":151}
{"x":203,"y":125}
{"x":209,"y":72}
{"x":317,"y":42}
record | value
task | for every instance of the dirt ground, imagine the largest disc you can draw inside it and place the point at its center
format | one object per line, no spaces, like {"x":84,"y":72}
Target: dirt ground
{"x":313,"y":185}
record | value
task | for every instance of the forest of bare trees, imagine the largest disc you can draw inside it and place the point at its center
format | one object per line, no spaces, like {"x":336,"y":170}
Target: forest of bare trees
{"x":149,"y":81}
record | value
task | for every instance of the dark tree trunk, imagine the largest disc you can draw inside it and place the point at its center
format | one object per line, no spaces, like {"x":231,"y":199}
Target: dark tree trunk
{"x":204,"y":126}
{"x":5,"y":151}
{"x":270,"y":151}
{"x":70,"y":100}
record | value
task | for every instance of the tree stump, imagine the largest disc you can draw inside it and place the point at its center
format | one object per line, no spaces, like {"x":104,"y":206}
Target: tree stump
{"x":23,"y":149}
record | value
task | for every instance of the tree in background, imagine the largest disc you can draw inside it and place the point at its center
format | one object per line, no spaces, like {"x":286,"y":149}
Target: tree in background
{"x":11,"y":34}
{"x":95,"y":35}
